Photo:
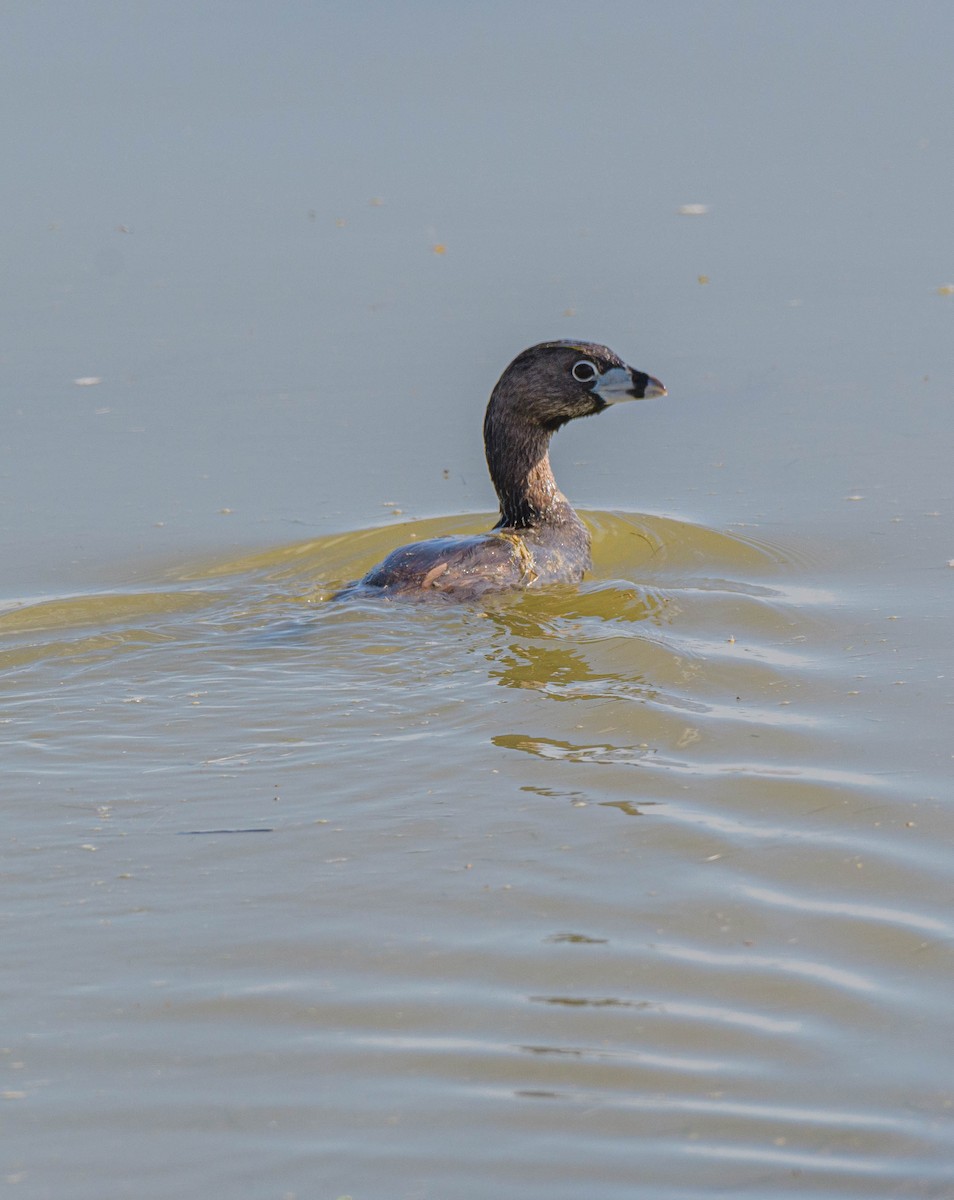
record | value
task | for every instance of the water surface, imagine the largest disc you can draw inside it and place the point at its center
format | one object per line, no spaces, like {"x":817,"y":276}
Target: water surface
{"x":598,"y":877}
{"x":636,"y":889}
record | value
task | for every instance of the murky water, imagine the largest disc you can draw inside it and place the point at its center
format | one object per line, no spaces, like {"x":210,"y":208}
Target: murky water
{"x":636,"y":890}
{"x":609,"y":883}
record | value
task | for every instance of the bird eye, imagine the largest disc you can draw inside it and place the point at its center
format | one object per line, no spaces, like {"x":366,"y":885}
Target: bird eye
{"x":584,"y":371}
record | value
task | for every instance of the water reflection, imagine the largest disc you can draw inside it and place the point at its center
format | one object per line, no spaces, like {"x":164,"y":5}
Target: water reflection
{"x":727,"y":946}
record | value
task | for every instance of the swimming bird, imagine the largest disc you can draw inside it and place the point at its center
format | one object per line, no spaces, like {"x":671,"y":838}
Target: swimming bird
{"x":538,"y":539}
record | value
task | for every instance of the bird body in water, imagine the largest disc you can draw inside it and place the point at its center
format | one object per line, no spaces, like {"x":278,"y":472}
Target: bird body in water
{"x":539,"y":539}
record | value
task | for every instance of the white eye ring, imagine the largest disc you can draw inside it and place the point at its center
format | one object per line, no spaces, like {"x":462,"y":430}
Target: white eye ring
{"x":584,"y":371}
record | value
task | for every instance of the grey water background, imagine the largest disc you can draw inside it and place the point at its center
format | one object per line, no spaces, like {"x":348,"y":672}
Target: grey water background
{"x":636,"y":890}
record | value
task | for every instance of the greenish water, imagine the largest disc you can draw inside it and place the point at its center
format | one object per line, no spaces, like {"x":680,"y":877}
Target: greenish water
{"x":597,"y":877}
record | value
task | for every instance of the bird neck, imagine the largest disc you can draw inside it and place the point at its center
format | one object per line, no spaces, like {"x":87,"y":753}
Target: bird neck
{"x":519,"y":462}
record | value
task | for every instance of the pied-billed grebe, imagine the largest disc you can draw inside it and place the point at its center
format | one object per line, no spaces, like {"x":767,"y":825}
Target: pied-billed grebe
{"x":539,"y":538}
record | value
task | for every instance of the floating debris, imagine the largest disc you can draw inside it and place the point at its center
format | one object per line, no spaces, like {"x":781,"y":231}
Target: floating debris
{"x":439,"y":248}
{"x":206,"y":832}
{"x":946,"y":289}
{"x":88,"y":380}
{"x":692,"y":210}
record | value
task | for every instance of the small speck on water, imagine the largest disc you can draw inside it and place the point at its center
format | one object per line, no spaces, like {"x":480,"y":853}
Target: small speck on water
{"x":692,"y":210}
{"x":88,"y":380}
